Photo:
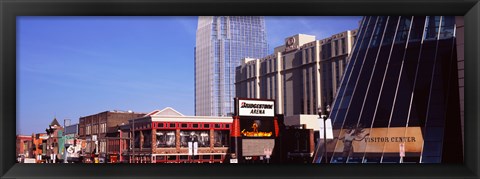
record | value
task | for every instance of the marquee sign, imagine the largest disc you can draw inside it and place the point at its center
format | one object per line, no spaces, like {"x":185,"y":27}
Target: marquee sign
{"x":256,"y":108}
{"x":257,"y":128}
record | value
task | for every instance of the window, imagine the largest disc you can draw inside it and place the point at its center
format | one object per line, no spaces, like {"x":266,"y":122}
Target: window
{"x":206,"y":125}
{"x":172,"y":125}
{"x":160,"y":125}
{"x":447,"y":27}
{"x":335,"y":46}
{"x":165,"y":139}
{"x":184,"y":125}
{"x":221,"y":138}
{"x":147,"y":139}
{"x":103,"y":146}
{"x":202,"y":137}
{"x":103,"y":128}
{"x":160,"y":158}
{"x":172,"y":157}
{"x":183,"y":157}
{"x":195,"y":125}
{"x":137,"y":139}
{"x":89,"y":130}
{"x":217,"y":126}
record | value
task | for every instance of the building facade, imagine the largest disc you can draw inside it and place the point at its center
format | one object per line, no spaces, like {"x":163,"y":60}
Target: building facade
{"x":72,"y":144}
{"x":24,"y":147}
{"x":300,"y":75}
{"x":55,"y":142}
{"x":164,"y":136}
{"x":93,"y":130}
{"x":221,"y":42}
{"x":39,"y":148}
{"x":399,"y":99}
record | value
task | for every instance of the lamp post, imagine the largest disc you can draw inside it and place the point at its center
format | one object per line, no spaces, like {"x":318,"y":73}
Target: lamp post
{"x":324,"y":118}
{"x":133,"y":139}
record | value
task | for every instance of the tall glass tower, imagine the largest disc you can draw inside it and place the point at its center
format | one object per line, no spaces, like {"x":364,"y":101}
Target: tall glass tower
{"x":221,"y":42}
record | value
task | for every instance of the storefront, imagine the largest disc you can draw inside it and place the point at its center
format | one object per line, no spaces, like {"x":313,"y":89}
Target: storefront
{"x":167,"y":136}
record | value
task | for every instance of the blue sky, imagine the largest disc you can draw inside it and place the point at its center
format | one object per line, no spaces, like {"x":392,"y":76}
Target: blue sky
{"x":68,"y":67}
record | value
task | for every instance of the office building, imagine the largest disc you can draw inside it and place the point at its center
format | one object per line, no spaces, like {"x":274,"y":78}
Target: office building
{"x":300,"y":75}
{"x":399,"y":101}
{"x":221,"y":42}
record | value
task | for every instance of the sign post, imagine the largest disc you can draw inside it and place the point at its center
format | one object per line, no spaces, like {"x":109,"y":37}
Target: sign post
{"x":329,"y":132}
{"x":267,"y":152}
{"x":402,"y":151}
{"x":234,"y":158}
{"x":195,"y":148}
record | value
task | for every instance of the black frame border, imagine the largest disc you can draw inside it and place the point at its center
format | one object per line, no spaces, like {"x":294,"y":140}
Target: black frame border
{"x":10,"y":9}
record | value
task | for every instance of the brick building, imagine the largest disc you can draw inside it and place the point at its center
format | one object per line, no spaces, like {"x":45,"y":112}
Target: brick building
{"x":54,"y":143}
{"x":93,"y":129}
{"x":24,"y":144}
{"x":39,"y":147}
{"x":164,"y":136}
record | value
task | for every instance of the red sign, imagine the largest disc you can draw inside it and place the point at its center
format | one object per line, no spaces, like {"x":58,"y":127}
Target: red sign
{"x":235,"y":130}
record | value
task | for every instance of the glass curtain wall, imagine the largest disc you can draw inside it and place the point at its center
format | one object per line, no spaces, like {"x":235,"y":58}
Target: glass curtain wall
{"x":398,"y":101}
{"x":221,"y":42}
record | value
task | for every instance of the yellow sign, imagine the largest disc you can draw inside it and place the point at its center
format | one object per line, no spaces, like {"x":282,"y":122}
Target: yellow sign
{"x":379,"y":140}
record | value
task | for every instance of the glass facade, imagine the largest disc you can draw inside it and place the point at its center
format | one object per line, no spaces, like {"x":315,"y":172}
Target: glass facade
{"x":221,"y":42}
{"x":399,"y":98}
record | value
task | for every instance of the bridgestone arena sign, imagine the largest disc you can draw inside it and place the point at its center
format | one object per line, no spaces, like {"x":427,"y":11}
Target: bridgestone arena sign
{"x":256,"y":108}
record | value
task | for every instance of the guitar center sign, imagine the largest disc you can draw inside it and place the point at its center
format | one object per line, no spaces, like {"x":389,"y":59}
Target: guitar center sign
{"x":256,"y":108}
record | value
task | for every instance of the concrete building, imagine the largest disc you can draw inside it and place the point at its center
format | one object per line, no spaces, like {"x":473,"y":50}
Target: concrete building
{"x":300,"y":75}
{"x":221,"y":42}
{"x":163,"y":136}
{"x":401,"y":100}
{"x":93,"y":130}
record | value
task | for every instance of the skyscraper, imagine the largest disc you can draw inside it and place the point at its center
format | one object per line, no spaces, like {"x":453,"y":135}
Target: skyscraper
{"x":400,"y":98}
{"x":221,"y":42}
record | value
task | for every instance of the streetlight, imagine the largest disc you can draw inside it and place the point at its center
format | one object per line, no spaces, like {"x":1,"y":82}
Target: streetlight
{"x":324,"y":117}
{"x":133,"y":139}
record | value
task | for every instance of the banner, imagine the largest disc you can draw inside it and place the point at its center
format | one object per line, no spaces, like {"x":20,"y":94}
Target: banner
{"x":379,"y":140}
